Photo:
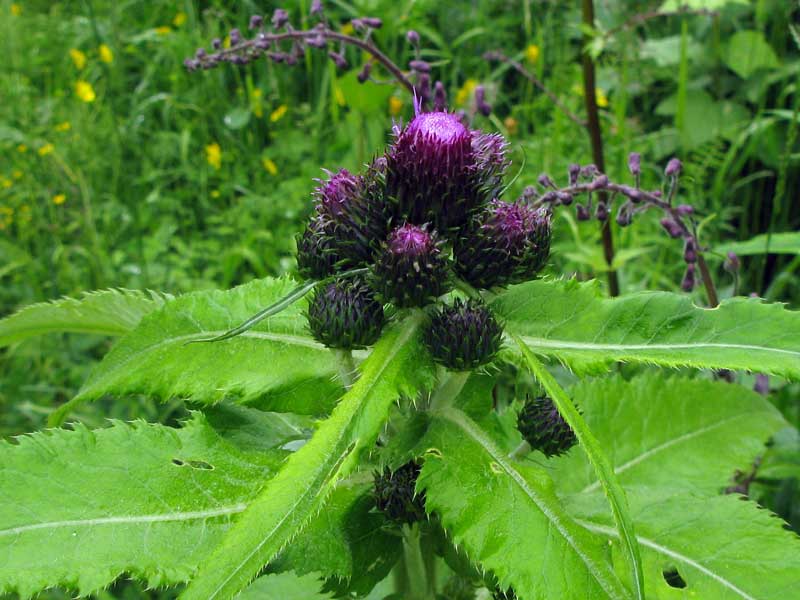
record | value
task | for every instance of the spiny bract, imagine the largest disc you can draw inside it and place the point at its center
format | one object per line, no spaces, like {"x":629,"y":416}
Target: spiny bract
{"x":464,"y":335}
{"x":396,"y":496}
{"x":544,"y":428}
{"x":345,"y":314}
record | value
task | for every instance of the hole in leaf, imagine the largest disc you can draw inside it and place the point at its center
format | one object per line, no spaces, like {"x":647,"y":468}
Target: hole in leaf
{"x":673,"y":578}
{"x":178,"y":462}
{"x":194,"y":464}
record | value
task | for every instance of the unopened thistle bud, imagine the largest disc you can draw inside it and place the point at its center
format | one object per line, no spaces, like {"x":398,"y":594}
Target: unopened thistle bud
{"x":687,"y":284}
{"x":544,"y":428}
{"x":412,"y":269}
{"x":279,"y":18}
{"x":671,"y":227}
{"x":674,"y":167}
{"x":690,"y":251}
{"x":345,"y":314}
{"x":396,"y":495}
{"x":464,"y":335}
{"x":413,"y":38}
{"x":316,"y":254}
{"x":635,"y":163}
{"x":506,"y":243}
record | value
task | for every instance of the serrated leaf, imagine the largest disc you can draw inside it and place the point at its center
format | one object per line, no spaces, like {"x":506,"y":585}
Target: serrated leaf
{"x":106,"y":312}
{"x":573,"y":323}
{"x":349,"y":542}
{"x":508,"y":518}
{"x":285,"y":586}
{"x":671,"y":433}
{"x":777,"y":243}
{"x":79,"y":508}
{"x":277,"y":363}
{"x":397,"y":365}
{"x":720,"y":547}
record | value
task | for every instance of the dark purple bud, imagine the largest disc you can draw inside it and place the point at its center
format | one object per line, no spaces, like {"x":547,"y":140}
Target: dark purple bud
{"x":529,"y":193}
{"x":690,"y":251}
{"x":632,"y":193}
{"x":761,"y":385}
{"x":480,"y":101}
{"x":601,"y":212}
{"x":316,"y":8}
{"x":656,"y":193}
{"x":635,"y":163}
{"x":235,"y":37}
{"x":345,"y":314}
{"x":671,"y":227}
{"x":732,"y":263}
{"x":565,"y":198}
{"x":420,"y":66}
{"x":574,"y":172}
{"x":590,"y":171}
{"x":439,"y":97}
{"x":624,"y":215}
{"x":673,"y":168}
{"x":423,"y":88}
{"x":413,"y":38}
{"x":256,"y":21}
{"x":279,"y":18}
{"x":546,"y":181}
{"x":277,"y":57}
{"x":363,"y":75}
{"x":687,"y":284}
{"x":396,"y":495}
{"x":336,"y":194}
{"x":464,"y":335}
{"x":338,"y":59}
{"x":200,"y":53}
{"x":412,"y":270}
{"x":582,"y":213}
{"x":216,"y":43}
{"x":544,"y":428}
{"x":318,"y":41}
{"x":600,"y":182}
{"x":372,"y":22}
{"x":316,"y":253}
{"x":684,"y":209}
{"x":191,"y":64}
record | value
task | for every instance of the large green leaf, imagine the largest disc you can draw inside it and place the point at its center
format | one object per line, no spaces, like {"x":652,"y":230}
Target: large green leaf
{"x":285,"y":586}
{"x":79,"y":508}
{"x":716,"y":547}
{"x":748,"y":52}
{"x":277,"y":363}
{"x":508,"y":518}
{"x":777,"y":243}
{"x":397,"y":365}
{"x":107,"y":312}
{"x":572,"y":322}
{"x":672,"y":433}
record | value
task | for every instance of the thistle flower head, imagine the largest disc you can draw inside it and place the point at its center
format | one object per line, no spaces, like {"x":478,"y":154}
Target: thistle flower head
{"x":412,"y":269}
{"x":439,"y":171}
{"x":335,"y":195}
{"x":506,"y":243}
{"x":396,"y":496}
{"x":464,"y":335}
{"x":345,"y":314}
{"x":544,"y":428}
{"x":316,"y":252}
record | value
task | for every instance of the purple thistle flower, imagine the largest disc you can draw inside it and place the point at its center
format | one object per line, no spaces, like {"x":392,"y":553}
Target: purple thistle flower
{"x":337,"y":193}
{"x":412,"y":269}
{"x":507,"y":243}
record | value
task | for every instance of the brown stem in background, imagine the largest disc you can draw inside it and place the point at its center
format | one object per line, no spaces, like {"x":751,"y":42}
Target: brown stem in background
{"x":708,"y":282}
{"x":595,"y":135}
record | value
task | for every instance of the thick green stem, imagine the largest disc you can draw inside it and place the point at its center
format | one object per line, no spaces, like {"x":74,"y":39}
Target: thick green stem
{"x":347,"y":367}
{"x":599,"y":461}
{"x":416,"y":581}
{"x":450,"y":385}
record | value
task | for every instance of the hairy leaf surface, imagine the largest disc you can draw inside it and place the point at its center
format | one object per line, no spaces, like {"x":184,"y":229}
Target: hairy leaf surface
{"x":508,"y":518}
{"x":79,"y":508}
{"x":777,"y":243}
{"x":672,"y":433}
{"x":276,"y":363}
{"x":720,"y":547}
{"x":571,"y":322}
{"x":285,"y":586}
{"x":106,"y":312}
{"x":397,"y":365}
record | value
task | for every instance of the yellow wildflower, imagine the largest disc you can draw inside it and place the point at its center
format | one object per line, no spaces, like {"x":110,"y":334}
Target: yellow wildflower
{"x":59,"y":199}
{"x":347,"y":29}
{"x":65,"y":126}
{"x":215,"y":193}
{"x":338,"y":95}
{"x":226,"y":43}
{"x":85,"y":91}
{"x":512,"y":125}
{"x":5,"y":182}
{"x":22,"y":148}
{"x":395,"y":105}
{"x":16,"y":174}
{"x":269,"y":166}
{"x":600,"y":98}
{"x":214,"y":155}
{"x":163,"y":30}
{"x":78,"y":57}
{"x":278,"y":113}
{"x":465,"y":92}
{"x":180,"y":19}
{"x":46,"y":149}
{"x":532,"y":53}
{"x":255,"y":102}
{"x":106,"y":55}
{"x":16,"y":9}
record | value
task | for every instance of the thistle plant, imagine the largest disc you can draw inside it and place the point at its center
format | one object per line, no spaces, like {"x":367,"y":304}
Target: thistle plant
{"x":345,"y":436}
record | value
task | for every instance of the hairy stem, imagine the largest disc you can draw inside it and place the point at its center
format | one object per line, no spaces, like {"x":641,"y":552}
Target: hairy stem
{"x":596,"y":138}
{"x":347,"y":367}
{"x":416,"y":579}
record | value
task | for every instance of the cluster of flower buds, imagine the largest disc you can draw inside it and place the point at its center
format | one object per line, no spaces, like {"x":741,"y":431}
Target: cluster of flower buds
{"x":601,"y":194}
{"x":396,"y":495}
{"x":419,"y":219}
{"x":544,"y":428}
